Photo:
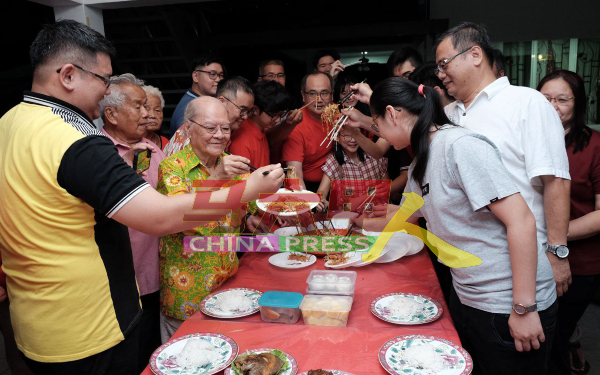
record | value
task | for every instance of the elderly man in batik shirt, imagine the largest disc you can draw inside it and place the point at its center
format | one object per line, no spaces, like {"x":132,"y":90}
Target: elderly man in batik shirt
{"x":187,"y":277}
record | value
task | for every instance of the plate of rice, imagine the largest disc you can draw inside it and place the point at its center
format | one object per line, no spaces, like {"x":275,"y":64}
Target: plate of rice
{"x":424,"y":355}
{"x":406,"y":308}
{"x":198,"y":353}
{"x":231,"y":303}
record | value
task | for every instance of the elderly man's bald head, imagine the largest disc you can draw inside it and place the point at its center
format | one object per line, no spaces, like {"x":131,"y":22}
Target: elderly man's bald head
{"x":203,"y":107}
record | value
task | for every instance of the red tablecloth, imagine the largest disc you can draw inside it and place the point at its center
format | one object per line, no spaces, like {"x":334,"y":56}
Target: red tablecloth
{"x":353,"y":348}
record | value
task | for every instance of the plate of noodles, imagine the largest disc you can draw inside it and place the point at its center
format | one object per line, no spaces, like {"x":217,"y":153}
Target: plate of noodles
{"x":231,"y":303}
{"x":198,"y":353}
{"x":426,"y":355}
{"x":292,"y":260}
{"x":290,"y":205}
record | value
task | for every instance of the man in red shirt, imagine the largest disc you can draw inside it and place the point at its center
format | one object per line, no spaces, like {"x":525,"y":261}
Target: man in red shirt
{"x":271,"y":101}
{"x":303,"y":149}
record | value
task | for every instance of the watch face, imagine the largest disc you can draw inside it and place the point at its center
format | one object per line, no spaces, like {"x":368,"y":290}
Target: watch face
{"x":520,"y":309}
{"x":562,"y":251}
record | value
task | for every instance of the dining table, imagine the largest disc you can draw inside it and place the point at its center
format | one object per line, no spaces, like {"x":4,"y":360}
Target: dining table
{"x":353,"y":348}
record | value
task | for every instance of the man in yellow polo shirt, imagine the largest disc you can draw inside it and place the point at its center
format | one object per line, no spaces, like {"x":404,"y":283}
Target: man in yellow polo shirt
{"x":66,"y":196}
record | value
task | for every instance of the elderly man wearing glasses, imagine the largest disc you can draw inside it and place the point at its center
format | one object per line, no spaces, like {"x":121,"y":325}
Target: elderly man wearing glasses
{"x":303,"y":149}
{"x":187,"y":277}
{"x":207,"y":71}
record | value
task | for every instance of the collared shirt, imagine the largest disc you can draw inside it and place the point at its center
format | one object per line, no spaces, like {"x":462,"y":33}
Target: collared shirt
{"x":304,"y":146}
{"x":144,"y":246}
{"x":250,"y":142}
{"x":177,"y":118}
{"x":187,"y":277}
{"x":528,"y":133}
{"x":69,"y":267}
{"x":354,"y":175}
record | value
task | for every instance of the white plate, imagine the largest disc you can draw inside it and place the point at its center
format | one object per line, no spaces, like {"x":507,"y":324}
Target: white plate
{"x":292,"y":364}
{"x":337,"y":224}
{"x":432,"y":310}
{"x":353,"y":258}
{"x":401,"y":244}
{"x":164,"y":359}
{"x":263,"y":205}
{"x":208,"y":305}
{"x":289,"y":231}
{"x":335,"y":372}
{"x":456,"y":360}
{"x":281,"y":260}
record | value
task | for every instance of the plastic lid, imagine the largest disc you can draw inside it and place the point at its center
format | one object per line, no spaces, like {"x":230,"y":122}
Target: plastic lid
{"x":289,"y":300}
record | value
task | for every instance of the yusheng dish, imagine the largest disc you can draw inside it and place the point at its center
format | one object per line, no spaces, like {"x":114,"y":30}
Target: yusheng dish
{"x":287,"y":204}
{"x":299,"y":257}
{"x":236,"y":300}
{"x":329,"y":116}
{"x":197,"y":353}
{"x":336,"y":258}
{"x":270,"y":363}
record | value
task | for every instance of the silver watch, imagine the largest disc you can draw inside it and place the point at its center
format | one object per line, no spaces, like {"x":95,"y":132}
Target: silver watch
{"x":522,"y":309}
{"x":561,"y":251}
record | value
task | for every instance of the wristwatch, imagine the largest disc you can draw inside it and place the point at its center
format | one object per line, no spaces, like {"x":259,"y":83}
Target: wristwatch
{"x":522,"y":309}
{"x":561,"y":251}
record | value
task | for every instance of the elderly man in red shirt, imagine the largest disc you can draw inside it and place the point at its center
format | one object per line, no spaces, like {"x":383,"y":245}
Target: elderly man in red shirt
{"x":303,"y":149}
{"x":125,"y":116}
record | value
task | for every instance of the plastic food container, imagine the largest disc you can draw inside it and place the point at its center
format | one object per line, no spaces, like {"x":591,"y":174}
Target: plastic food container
{"x":321,"y":310}
{"x":331,"y":282}
{"x":280,"y":307}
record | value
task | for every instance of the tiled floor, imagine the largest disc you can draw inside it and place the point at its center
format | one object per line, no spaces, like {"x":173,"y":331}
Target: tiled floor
{"x":590,"y":341}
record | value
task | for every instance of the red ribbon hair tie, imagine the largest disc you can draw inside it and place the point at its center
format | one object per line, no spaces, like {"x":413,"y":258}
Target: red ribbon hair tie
{"x":421,"y":87}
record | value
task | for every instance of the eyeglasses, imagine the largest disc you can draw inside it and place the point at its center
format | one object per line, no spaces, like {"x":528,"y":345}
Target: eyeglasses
{"x":346,"y":137}
{"x":276,"y":116}
{"x":560,"y":101}
{"x":442,"y":64}
{"x":322,"y":94}
{"x":374,"y":125}
{"x":213,"y":129}
{"x":212,"y":74}
{"x":273,"y":76}
{"x":104,"y":79}
{"x":243,"y":111}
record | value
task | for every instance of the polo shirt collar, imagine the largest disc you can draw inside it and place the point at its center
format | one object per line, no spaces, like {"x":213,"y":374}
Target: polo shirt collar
{"x":490,"y":91}
{"x":254,"y":129}
{"x":192,"y":94}
{"x":120,"y":144}
{"x":193,"y":160}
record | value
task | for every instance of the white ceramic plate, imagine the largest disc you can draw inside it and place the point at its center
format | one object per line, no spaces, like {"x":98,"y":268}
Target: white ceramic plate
{"x":292,"y":364}
{"x":456,"y":360}
{"x":289,"y":231}
{"x":353,"y":258}
{"x":263,"y":205}
{"x":432,"y":310}
{"x":164,"y":359}
{"x":281,"y":260}
{"x":401,"y":244}
{"x":209,"y":304}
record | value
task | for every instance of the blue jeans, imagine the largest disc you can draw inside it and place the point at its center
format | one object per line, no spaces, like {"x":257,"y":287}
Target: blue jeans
{"x":486,"y":336}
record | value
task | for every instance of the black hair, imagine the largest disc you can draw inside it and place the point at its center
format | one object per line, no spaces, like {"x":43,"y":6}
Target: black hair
{"x":338,"y":154}
{"x":271,"y":96}
{"x":264,"y":63}
{"x":322,"y":53}
{"x":401,"y":55}
{"x":466,"y":35}
{"x":305,"y":78}
{"x":400,"y":92}
{"x":341,"y":82}
{"x":233,"y":85}
{"x":71,"y":39}
{"x":499,"y":61}
{"x":579,"y":134}
{"x":425,"y":74}
{"x":207,"y":59}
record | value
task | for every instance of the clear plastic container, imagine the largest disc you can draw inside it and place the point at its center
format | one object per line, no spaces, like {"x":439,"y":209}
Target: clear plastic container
{"x":321,"y":310}
{"x":280,"y":307}
{"x":331,"y":282}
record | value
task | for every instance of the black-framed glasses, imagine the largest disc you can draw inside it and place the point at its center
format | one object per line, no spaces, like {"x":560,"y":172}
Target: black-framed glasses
{"x":104,"y":79}
{"x":560,"y":100}
{"x":277,"y":116}
{"x":374,"y":125}
{"x":273,"y":76}
{"x":243,"y":111}
{"x":442,"y":64}
{"x":212,"y":74}
{"x":213,"y":129}
{"x":322,"y":94}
